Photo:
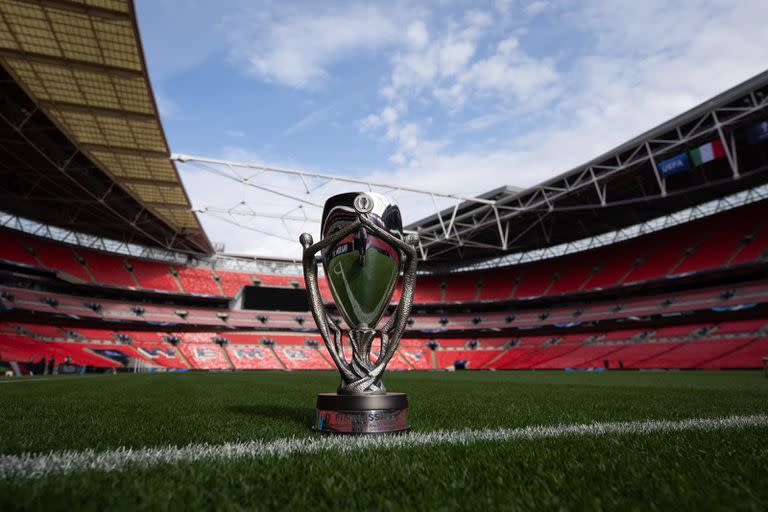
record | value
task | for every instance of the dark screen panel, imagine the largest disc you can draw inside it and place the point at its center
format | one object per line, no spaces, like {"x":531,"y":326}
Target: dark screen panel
{"x":281,"y":299}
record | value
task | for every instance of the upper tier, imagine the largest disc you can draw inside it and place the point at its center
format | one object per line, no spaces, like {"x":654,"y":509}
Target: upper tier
{"x":724,"y":240}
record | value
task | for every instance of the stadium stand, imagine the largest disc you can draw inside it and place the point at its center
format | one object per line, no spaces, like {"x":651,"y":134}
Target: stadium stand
{"x":642,"y":355}
{"x":58,"y":257}
{"x":723,"y":240}
{"x":253,"y":357}
{"x":198,"y":280}
{"x":734,"y":344}
{"x":301,"y":357}
{"x":475,"y":359}
{"x":396,"y":363}
{"x":693,"y":295}
{"x":572,"y":278}
{"x":416,"y":358}
{"x":585,"y":356}
{"x":749,"y":355}
{"x":428,"y":289}
{"x":13,"y":252}
{"x":151,"y":275}
{"x":698,"y":353}
{"x":205,"y":356}
{"x":161,"y":354}
{"x":462,"y":288}
{"x":107,"y":269}
{"x":232,"y":282}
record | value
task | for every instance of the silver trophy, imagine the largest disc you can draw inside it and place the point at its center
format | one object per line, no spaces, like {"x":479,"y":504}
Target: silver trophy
{"x":363,"y":251}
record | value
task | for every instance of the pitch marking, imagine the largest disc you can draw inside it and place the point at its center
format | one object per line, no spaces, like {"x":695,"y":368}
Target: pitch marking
{"x":50,"y":378}
{"x":30,"y":466}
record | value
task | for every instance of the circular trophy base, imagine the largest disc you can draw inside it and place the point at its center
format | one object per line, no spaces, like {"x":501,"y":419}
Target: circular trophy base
{"x":362,"y":414}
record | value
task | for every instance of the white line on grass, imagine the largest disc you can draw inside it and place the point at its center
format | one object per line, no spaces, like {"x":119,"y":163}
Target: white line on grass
{"x":28,"y":466}
{"x":59,"y":378}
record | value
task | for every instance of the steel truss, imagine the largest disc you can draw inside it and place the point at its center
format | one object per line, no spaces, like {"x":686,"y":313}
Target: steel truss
{"x":32,"y":227}
{"x":293,"y":267}
{"x":460,"y":226}
{"x":298,"y":213}
{"x":714,"y":118}
{"x":681,"y":217}
{"x":220,"y":261}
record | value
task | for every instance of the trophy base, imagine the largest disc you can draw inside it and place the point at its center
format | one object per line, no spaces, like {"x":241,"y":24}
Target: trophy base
{"x":362,"y":414}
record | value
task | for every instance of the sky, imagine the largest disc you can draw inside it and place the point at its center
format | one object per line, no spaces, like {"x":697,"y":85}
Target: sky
{"x":448,"y":96}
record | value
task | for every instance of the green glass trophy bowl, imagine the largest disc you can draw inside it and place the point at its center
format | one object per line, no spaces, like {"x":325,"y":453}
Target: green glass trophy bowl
{"x":363,"y":252}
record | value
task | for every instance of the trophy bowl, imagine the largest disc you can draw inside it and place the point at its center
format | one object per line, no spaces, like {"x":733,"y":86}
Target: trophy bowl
{"x":363,"y":252}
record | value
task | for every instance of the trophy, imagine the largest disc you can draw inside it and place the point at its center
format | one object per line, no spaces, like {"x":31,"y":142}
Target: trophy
{"x":363,"y":252}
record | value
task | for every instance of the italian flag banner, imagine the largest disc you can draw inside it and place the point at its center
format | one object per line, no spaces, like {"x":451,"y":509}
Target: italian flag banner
{"x":708,"y":152}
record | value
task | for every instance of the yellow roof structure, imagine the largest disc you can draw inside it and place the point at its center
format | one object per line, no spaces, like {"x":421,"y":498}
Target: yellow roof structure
{"x":82,"y":63}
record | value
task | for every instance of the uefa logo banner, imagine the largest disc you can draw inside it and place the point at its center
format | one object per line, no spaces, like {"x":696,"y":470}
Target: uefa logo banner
{"x":363,"y":252}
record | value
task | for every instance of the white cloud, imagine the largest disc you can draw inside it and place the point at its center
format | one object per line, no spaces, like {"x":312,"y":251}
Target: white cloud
{"x":646,"y":66}
{"x":296,"y":46}
{"x":635,"y":66}
{"x":417,"y":34}
{"x":234,"y":133}
{"x":534,"y":8}
{"x":167,"y":107}
{"x":511,"y":73}
{"x":308,"y":120}
{"x":450,"y":70}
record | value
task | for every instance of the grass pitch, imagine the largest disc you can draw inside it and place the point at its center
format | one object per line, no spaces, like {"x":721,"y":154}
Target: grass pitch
{"x":725,"y":469}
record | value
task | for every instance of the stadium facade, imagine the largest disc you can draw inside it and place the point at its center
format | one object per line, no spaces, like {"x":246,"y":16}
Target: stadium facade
{"x":653,"y":255}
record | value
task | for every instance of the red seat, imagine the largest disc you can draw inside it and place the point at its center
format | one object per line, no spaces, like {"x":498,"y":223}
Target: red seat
{"x":461,"y":287}
{"x":252,"y":357}
{"x":418,"y":358}
{"x":475,"y":358}
{"x":574,"y":273}
{"x":428,"y":289}
{"x":641,"y":355}
{"x":11,"y":250}
{"x":58,"y":256}
{"x":722,"y":241}
{"x":585,"y":356}
{"x":198,"y":280}
{"x":162,"y":354}
{"x":614,"y":263}
{"x":301,"y":357}
{"x":749,"y":355}
{"x":205,"y":356}
{"x":537,"y":278}
{"x":152,"y":275}
{"x":754,"y":249}
{"x":695,"y":354}
{"x":541,"y":355}
{"x":107,"y":268}
{"x":232,"y":282}
{"x":666,"y":250}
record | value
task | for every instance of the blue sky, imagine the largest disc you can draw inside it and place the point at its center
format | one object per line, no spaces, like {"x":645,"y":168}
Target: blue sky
{"x":457,"y":97}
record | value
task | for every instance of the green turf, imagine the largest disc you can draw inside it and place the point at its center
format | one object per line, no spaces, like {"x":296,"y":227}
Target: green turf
{"x":690,"y":470}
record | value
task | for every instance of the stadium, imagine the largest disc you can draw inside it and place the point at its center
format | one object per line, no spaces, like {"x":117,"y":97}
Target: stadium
{"x":594,"y":341}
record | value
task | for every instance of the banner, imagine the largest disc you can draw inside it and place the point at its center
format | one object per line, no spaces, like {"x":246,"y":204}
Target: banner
{"x":675,"y":164}
{"x":708,"y":152}
{"x":758,"y":133}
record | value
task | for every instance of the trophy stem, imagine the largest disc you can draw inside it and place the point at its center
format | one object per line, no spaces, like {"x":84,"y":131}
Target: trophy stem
{"x":361,"y":341}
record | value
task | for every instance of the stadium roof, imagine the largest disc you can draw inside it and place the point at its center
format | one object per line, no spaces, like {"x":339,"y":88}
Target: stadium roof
{"x":617,"y":189}
{"x":80,"y":136}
